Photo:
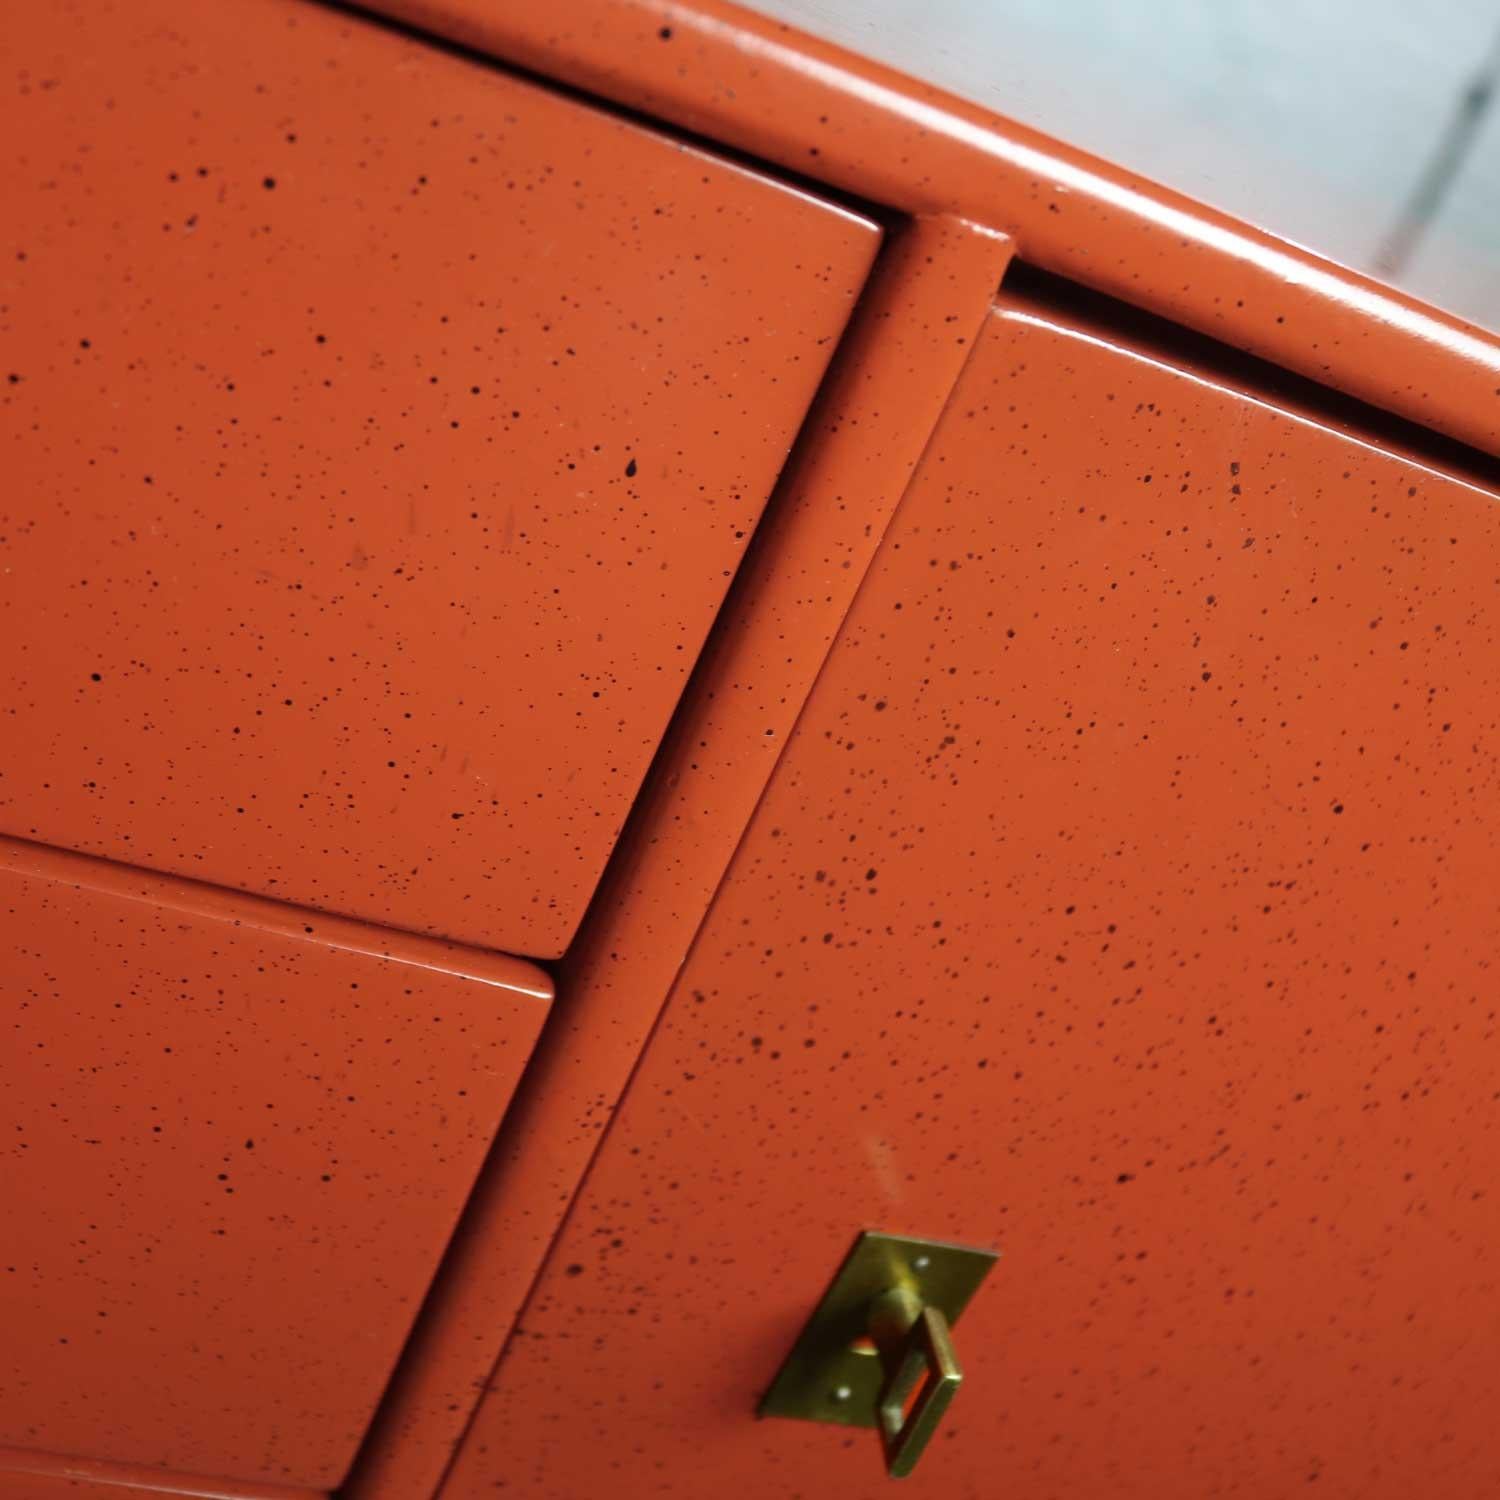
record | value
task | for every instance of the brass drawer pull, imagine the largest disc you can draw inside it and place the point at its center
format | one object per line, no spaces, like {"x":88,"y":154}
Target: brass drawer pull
{"x":921,"y":1349}
{"x":878,"y":1351}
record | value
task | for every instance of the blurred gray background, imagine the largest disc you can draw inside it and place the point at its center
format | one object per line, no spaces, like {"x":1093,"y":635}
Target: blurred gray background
{"x":1368,"y":130}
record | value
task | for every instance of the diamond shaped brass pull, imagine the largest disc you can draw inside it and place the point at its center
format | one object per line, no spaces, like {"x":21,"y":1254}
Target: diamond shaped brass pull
{"x":878,"y":1352}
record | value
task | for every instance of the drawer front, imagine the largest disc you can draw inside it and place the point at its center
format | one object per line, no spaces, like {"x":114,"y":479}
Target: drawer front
{"x":1125,"y":901}
{"x":237,"y":1139}
{"x":380,"y":435}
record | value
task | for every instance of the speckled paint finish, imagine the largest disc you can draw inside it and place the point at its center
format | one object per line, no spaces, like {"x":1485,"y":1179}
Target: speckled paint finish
{"x":380,"y":434}
{"x":34,"y":1476}
{"x":914,"y":329}
{"x":237,"y":1139}
{"x":794,"y":100}
{"x":1124,"y":900}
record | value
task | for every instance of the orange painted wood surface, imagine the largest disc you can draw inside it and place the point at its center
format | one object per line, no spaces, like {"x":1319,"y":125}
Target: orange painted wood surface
{"x":237,"y":1139}
{"x":1123,"y":901}
{"x":911,"y":337}
{"x":383,"y":432}
{"x":42,"y":1476}
{"x":380,"y":433}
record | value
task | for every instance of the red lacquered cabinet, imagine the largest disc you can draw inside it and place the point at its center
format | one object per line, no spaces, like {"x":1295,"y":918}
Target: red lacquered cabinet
{"x":970,"y":672}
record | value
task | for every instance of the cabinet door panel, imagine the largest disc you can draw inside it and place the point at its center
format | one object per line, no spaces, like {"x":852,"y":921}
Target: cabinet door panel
{"x":1125,"y":900}
{"x":380,"y":435}
{"x":237,"y":1140}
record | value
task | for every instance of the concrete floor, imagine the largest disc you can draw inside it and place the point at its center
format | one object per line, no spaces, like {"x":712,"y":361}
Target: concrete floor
{"x":1351,"y":126}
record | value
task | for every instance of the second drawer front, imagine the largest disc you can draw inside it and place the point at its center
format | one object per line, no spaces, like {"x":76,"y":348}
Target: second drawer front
{"x":237,"y":1139}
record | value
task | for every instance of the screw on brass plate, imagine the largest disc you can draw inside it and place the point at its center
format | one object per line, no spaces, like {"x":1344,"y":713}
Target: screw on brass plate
{"x":895,"y":1299}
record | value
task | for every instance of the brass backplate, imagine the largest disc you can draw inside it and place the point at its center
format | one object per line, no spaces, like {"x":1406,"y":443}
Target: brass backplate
{"x":833,"y":1373}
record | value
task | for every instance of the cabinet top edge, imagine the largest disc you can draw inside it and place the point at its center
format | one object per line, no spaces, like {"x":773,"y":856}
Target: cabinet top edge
{"x":782,"y":96}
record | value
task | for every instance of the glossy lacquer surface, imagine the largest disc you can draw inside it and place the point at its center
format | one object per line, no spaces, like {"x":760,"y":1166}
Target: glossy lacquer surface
{"x":914,"y":329}
{"x":236,"y":1139}
{"x":1125,"y":901}
{"x":380,"y":433}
